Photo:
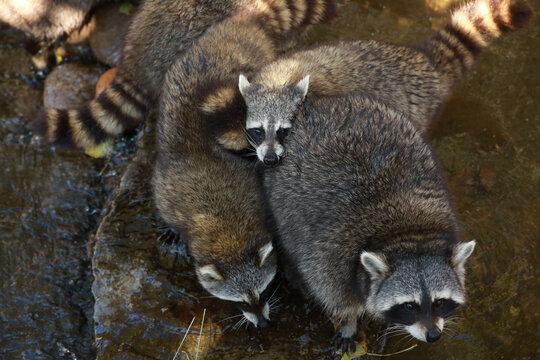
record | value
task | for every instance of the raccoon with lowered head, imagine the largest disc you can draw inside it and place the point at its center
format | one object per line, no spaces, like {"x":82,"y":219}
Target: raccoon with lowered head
{"x":365,"y":220}
{"x":414,"y":80}
{"x":159,"y":32}
{"x":200,"y":189}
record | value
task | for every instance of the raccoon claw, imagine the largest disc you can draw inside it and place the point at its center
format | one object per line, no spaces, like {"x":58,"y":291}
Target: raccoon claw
{"x":168,"y":236}
{"x":344,"y":344}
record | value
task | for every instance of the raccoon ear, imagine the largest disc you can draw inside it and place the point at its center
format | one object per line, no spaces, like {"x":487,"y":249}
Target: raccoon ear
{"x":264,"y":253}
{"x":210,"y":272}
{"x":461,"y":253}
{"x":375,"y":265}
{"x":303,"y":86}
{"x":243,"y":84}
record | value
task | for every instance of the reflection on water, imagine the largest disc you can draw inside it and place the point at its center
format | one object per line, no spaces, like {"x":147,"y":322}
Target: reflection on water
{"x":487,"y":140}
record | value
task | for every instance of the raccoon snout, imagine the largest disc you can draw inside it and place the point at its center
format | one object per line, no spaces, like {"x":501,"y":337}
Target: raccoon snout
{"x":433,"y":335}
{"x":262,"y":322}
{"x":256,"y":318}
{"x":271,"y":159}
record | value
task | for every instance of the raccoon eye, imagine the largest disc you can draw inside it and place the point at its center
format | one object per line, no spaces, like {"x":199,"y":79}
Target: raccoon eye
{"x":444,"y":307}
{"x":439,"y":302}
{"x":282,"y":133}
{"x":256,"y":135}
{"x":408,"y":306}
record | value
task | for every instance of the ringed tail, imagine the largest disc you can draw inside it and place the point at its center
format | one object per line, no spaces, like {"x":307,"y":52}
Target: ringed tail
{"x":286,"y":17}
{"x":472,"y":28}
{"x":120,"y":107}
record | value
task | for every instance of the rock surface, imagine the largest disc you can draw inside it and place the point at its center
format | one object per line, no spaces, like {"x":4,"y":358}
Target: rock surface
{"x":109,"y":28}
{"x":70,"y":85}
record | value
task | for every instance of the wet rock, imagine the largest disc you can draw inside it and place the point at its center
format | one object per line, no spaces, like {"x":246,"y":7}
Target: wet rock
{"x":70,"y":85}
{"x":487,"y":179}
{"x":106,"y":40}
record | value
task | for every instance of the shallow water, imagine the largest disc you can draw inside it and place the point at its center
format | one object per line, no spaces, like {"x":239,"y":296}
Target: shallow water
{"x":51,"y":203}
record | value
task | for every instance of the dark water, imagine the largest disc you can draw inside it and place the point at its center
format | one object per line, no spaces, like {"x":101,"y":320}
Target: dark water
{"x":52,"y":203}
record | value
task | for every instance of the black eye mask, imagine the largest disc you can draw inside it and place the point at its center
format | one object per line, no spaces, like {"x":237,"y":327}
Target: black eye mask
{"x":256,"y":135}
{"x":282,"y":133}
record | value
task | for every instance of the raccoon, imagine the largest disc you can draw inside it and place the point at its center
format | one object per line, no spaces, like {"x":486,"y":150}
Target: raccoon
{"x":365,"y":221}
{"x":46,"y":21}
{"x":160,"y":32}
{"x":415,"y":80}
{"x":211,"y":196}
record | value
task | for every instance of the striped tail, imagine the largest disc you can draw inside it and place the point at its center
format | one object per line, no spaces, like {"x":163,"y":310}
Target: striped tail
{"x":118,"y":108}
{"x":471,"y":29}
{"x":286,"y":19}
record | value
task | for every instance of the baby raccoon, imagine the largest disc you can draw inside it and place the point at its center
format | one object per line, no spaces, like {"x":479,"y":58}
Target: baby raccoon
{"x":414,"y":80}
{"x":365,"y":220}
{"x":266,"y":128}
{"x":214,"y":198}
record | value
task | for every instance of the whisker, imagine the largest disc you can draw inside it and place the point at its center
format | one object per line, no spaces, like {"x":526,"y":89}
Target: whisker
{"x":239,"y":323}
{"x":230,"y":317}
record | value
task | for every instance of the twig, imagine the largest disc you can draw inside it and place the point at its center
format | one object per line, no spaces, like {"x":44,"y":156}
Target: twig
{"x":187,"y":332}
{"x":200,"y":334}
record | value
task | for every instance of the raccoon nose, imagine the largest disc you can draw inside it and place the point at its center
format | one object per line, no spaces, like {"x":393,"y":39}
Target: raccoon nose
{"x":271,"y":159}
{"x":262,"y":322}
{"x":432,"y":336}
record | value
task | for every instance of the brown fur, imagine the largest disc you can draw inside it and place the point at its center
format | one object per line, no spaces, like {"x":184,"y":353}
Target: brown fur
{"x":159,"y":33}
{"x":213,"y":196}
{"x":46,"y":21}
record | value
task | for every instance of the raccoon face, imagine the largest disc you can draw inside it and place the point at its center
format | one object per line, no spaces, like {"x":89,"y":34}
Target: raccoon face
{"x":417,"y":293}
{"x":244,"y":283}
{"x":270,"y":115}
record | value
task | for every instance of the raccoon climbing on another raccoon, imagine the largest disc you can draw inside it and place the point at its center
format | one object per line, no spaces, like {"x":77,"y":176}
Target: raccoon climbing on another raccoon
{"x":414,"y":80}
{"x":366,"y":223}
{"x":159,"y":32}
{"x":215,"y":198}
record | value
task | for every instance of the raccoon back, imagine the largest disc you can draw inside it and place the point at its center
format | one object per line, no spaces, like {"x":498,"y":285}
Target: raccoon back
{"x":358,"y":176}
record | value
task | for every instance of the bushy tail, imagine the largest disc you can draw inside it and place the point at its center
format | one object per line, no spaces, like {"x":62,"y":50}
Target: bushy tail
{"x":120,"y":107}
{"x":286,"y":20}
{"x":471,"y":29}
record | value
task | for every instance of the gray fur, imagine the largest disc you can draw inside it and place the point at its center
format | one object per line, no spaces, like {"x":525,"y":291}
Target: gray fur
{"x":363,"y":213}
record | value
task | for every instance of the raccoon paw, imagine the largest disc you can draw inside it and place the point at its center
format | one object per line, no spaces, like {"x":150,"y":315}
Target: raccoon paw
{"x":168,"y":236}
{"x":344,"y":344}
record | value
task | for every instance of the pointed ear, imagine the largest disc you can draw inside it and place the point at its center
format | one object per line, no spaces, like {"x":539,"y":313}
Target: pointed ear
{"x":243,"y":84}
{"x":303,"y":86}
{"x":264,"y":253}
{"x":460,"y":255}
{"x":375,"y":265}
{"x":209,"y":272}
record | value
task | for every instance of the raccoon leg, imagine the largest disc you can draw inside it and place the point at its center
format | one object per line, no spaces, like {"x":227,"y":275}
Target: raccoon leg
{"x":168,"y":236}
{"x":346,"y":336}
